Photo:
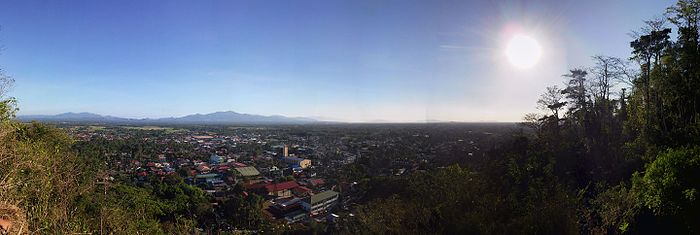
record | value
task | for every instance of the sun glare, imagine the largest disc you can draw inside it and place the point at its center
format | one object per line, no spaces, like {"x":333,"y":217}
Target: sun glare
{"x":523,"y":51}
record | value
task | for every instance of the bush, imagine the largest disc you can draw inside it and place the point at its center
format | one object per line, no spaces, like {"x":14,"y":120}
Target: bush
{"x":669,"y":186}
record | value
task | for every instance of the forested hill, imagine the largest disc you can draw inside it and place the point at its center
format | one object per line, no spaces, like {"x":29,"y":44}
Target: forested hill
{"x":616,"y":150}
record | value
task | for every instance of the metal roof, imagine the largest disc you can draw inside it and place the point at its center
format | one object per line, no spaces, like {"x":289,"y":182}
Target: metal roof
{"x":248,"y":171}
{"x":322,"y":196}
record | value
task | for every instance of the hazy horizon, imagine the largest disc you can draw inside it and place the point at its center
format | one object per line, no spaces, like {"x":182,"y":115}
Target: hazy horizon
{"x":359,"y":61}
{"x":314,"y":118}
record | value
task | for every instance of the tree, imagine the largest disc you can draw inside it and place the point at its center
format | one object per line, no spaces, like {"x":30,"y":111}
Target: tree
{"x":646,"y":47}
{"x":578,"y":97}
{"x":533,"y":120}
{"x":8,"y":105}
{"x":685,"y":13}
{"x":606,"y":71}
{"x":552,"y":100}
{"x":683,"y":94}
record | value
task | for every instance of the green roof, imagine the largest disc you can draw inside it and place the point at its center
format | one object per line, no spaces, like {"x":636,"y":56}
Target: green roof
{"x":207,"y":176}
{"x":322,"y":196}
{"x":247,"y":171}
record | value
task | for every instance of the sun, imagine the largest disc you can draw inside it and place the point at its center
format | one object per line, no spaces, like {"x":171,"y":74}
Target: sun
{"x":523,"y":51}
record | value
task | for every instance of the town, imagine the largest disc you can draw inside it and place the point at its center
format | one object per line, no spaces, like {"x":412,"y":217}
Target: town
{"x":299,"y":171}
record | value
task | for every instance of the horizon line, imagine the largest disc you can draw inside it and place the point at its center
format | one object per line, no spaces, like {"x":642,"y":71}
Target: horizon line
{"x":314,"y":119}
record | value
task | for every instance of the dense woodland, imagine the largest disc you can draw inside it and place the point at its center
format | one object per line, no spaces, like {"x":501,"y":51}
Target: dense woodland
{"x":616,"y":150}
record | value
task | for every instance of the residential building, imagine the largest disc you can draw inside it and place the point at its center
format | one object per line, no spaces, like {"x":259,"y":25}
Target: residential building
{"x":215,"y":159}
{"x":317,"y":203}
{"x":301,"y":162}
{"x":281,"y":189}
{"x":295,"y":216}
{"x":247,"y":172}
{"x":206,"y":178}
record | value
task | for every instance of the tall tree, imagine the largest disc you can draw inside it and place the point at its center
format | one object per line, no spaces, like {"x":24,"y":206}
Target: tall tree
{"x":606,"y":71}
{"x":576,"y":90}
{"x":552,"y":100}
{"x":645,"y":48}
{"x":685,"y":14}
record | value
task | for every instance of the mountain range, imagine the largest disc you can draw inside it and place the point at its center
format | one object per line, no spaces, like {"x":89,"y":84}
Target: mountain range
{"x":228,"y":117}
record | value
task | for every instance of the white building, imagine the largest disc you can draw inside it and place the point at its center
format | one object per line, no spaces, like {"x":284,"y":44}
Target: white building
{"x":320,"y":202}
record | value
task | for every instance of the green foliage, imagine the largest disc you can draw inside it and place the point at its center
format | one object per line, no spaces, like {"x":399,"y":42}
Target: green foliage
{"x":670,"y":184}
{"x":181,"y":199}
{"x":59,"y":186}
{"x":42,"y":176}
{"x":244,"y":212}
{"x":128,"y":210}
{"x":8,"y":108}
{"x":612,"y":211}
{"x":456,"y":200}
{"x":170,"y":207}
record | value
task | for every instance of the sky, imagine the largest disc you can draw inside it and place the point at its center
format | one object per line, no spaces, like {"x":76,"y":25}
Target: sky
{"x":359,"y":60}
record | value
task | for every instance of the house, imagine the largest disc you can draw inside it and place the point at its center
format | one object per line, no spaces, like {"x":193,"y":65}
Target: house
{"x":283,"y":189}
{"x":295,"y":216}
{"x":314,"y":183}
{"x":301,"y":162}
{"x":283,"y":206}
{"x":206,"y":178}
{"x":258,"y":186}
{"x":296,"y":169}
{"x":215,"y":159}
{"x":217,"y":184}
{"x":203,"y":168}
{"x":301,"y":191}
{"x":247,"y":172}
{"x":318,"y":203}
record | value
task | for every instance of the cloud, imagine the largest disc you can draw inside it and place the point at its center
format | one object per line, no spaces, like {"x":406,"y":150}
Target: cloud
{"x":453,"y":47}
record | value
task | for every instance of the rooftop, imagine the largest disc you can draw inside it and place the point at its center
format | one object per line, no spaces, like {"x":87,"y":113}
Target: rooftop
{"x":281,"y":186}
{"x":294,"y":159}
{"x":207,"y":176}
{"x":322,"y":196}
{"x":248,"y":171}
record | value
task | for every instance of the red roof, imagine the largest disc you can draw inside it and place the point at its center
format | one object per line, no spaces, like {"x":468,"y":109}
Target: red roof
{"x":315,"y":182}
{"x":238,"y":164}
{"x":301,"y":190}
{"x":281,"y":186}
{"x":224,"y":167}
{"x":256,"y":185}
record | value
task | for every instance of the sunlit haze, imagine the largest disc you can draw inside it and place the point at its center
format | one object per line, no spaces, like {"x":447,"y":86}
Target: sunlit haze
{"x":360,"y":61}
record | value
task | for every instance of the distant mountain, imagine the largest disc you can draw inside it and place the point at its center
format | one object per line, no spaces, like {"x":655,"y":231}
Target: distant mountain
{"x":228,"y":117}
{"x":72,"y":117}
{"x":231,"y":117}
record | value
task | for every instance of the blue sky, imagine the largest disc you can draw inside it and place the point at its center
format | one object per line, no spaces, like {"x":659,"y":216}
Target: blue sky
{"x":338,"y":60}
